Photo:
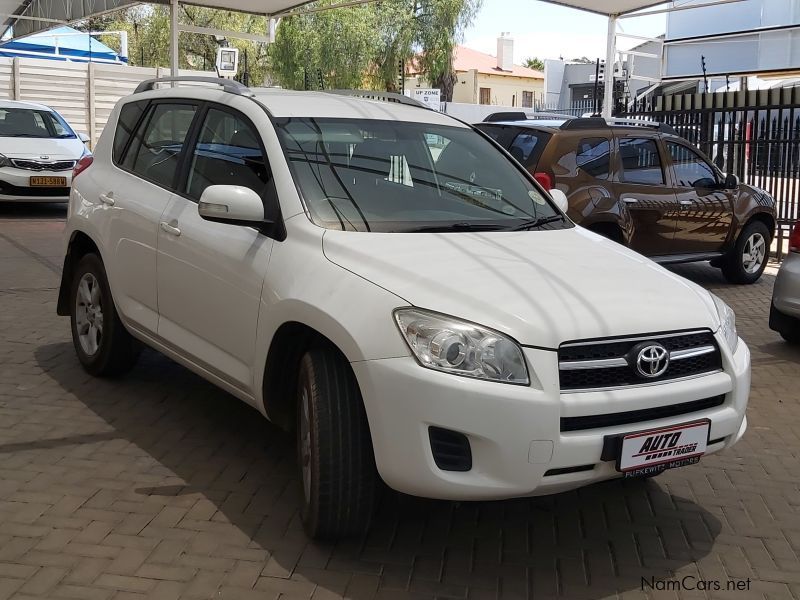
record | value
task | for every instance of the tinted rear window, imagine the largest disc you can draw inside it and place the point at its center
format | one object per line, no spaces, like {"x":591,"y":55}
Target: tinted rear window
{"x":129,"y":116}
{"x":525,"y":145}
{"x":641,"y":162}
{"x":592,"y":157}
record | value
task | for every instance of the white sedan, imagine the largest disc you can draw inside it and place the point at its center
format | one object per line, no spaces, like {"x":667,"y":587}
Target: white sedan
{"x":38,"y":150}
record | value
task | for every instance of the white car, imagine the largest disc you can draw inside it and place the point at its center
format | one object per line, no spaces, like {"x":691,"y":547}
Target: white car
{"x":386,"y":281}
{"x":38,"y":151}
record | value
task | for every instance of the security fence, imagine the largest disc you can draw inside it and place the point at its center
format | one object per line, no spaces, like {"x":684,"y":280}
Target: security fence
{"x":754,"y":134}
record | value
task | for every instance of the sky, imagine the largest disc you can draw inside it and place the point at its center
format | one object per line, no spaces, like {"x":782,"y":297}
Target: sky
{"x":548,"y":31}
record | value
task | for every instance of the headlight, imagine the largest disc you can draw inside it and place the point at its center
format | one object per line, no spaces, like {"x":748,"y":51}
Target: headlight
{"x":728,"y":323}
{"x":454,"y":346}
{"x":4,"y":162}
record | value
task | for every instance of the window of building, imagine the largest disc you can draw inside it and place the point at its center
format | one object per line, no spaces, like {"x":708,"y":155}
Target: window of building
{"x":527,"y":99}
{"x":485,"y":96}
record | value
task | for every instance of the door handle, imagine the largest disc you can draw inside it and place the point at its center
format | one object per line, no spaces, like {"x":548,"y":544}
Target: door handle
{"x":630,"y":200}
{"x":107,"y":199}
{"x":170,"y":229}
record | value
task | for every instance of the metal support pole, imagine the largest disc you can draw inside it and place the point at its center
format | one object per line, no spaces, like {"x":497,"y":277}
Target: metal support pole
{"x":611,"y":58}
{"x":173,"y":37}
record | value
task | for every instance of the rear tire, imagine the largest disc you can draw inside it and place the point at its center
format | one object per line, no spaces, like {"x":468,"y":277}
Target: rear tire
{"x":103,"y":345}
{"x":334,"y":448}
{"x":747,"y":260}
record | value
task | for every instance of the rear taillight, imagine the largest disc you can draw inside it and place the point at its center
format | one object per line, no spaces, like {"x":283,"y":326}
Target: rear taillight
{"x":794,"y":238}
{"x":545,"y":180}
{"x":82,"y":165}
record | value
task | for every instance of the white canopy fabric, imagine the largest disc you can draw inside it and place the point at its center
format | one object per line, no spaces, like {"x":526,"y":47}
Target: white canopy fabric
{"x":608,"y":7}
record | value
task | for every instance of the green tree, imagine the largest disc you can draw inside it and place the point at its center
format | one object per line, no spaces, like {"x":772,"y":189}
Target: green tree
{"x":365,"y":46}
{"x":534,"y":63}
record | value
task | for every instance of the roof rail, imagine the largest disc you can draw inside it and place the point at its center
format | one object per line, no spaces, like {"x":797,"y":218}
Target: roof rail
{"x":584,"y":123}
{"x":228,"y":85}
{"x":506,"y":116}
{"x":662,"y":127}
{"x":381,"y":96}
{"x":523,"y":116}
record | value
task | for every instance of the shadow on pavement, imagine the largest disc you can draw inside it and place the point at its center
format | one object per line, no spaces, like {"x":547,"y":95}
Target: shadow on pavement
{"x":33,"y":210}
{"x":594,"y":542}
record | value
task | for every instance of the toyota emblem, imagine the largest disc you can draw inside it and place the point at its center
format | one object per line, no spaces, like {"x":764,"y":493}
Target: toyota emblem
{"x":652,"y":360}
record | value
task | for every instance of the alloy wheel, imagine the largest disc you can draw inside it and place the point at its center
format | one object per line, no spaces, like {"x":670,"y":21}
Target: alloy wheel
{"x":89,"y":314}
{"x":754,"y":252}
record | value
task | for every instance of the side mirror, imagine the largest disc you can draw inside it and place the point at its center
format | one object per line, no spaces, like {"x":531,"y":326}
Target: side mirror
{"x":234,"y":204}
{"x":731,"y":181}
{"x":560,"y":198}
{"x":84,"y":138}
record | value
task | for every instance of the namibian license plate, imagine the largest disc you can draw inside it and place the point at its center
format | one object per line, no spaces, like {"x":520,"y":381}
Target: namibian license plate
{"x":650,"y":452}
{"x":48,"y":182}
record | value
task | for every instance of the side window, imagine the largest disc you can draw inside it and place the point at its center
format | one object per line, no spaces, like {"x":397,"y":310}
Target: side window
{"x":228,"y":152}
{"x":528,"y":146}
{"x":641,"y":162}
{"x":592,"y":157}
{"x":690,"y":169}
{"x":129,"y":116}
{"x":156,"y":148}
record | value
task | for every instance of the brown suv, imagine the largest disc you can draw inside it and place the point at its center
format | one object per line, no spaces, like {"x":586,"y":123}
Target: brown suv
{"x":643,"y":186}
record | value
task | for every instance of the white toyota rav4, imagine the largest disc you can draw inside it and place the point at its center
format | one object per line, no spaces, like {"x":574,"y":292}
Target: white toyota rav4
{"x":389,"y":283}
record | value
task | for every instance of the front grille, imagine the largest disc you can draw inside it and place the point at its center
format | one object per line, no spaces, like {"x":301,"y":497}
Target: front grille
{"x":24,"y":192}
{"x":35,"y":165}
{"x":601,"y":364}
{"x":451,"y":449}
{"x":639,"y":416}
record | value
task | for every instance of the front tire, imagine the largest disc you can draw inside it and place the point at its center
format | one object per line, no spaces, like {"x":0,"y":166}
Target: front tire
{"x":103,"y":345}
{"x":334,"y":448}
{"x":747,"y":260}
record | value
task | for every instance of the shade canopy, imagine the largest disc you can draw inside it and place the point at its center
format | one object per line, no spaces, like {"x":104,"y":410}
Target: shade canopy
{"x":608,"y":7}
{"x":53,"y":12}
{"x":61,"y":43}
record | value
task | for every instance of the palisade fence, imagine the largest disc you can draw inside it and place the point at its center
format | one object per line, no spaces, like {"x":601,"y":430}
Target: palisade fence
{"x":84,"y":93}
{"x":754,"y":134}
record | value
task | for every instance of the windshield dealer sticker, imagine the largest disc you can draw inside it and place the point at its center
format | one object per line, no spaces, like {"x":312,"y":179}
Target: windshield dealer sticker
{"x":537,"y":197}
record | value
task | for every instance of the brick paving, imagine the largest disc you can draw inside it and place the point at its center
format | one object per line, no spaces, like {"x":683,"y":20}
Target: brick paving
{"x":159,"y":485}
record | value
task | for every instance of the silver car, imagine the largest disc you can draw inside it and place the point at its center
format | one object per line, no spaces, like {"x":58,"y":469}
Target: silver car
{"x":784,"y":316}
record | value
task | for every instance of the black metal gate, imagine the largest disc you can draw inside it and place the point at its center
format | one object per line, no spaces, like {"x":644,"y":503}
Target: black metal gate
{"x":753,"y":134}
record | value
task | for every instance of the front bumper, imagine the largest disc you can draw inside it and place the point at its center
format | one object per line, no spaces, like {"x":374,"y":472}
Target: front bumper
{"x":518,"y":447}
{"x":15,"y":186}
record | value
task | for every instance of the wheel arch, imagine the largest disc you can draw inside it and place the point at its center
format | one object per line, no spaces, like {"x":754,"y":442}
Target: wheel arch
{"x":291,"y":341}
{"x":764,"y":217}
{"x":80,"y":244}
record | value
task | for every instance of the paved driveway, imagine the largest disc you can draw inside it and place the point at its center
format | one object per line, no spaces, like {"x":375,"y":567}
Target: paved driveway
{"x":161,"y":486}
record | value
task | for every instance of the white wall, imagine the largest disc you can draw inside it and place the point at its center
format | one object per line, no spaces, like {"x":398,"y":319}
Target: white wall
{"x":84,"y":93}
{"x":749,"y":52}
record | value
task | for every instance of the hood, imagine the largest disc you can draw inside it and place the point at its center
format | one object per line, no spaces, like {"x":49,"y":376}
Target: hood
{"x":540,"y":287}
{"x":54,"y":148}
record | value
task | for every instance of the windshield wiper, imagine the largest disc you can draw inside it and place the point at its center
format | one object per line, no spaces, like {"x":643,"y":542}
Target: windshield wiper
{"x":533,"y":223}
{"x":454,"y":227}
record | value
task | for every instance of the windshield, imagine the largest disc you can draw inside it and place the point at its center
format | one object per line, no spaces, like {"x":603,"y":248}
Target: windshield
{"x":32,"y":123}
{"x":391,"y":176}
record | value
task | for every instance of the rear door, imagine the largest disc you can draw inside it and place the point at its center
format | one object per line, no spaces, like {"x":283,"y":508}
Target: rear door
{"x":705,"y":209}
{"x":642,"y":189}
{"x":134,"y":192}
